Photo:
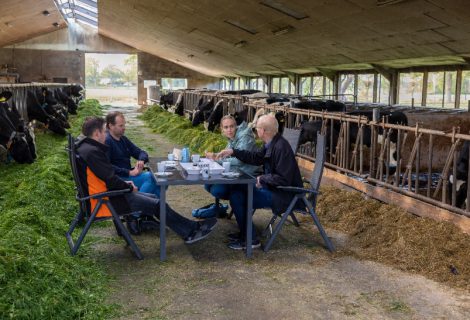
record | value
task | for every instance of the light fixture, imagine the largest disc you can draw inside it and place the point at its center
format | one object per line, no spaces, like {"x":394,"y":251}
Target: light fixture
{"x":8,"y":24}
{"x":283,"y":30}
{"x":274,"y":4}
{"x":241,"y":26}
{"x":240,"y":44}
{"x":46,"y":13}
{"x":55,"y":24}
{"x":190,"y":56}
{"x":207,"y":52}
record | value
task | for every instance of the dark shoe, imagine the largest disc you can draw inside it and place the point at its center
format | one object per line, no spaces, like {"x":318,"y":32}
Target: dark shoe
{"x":197,"y":235}
{"x":133,"y":227}
{"x":241,"y":245}
{"x":208,"y":224}
{"x":236,"y":236}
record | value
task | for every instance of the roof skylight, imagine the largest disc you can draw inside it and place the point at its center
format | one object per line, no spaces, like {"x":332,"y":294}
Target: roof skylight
{"x":85,"y":11}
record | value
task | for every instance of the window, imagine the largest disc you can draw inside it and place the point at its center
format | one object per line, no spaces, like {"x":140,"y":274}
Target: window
{"x":328,"y":87}
{"x":275,"y":85}
{"x":410,"y":88}
{"x":223,"y":84}
{"x":236,"y":84}
{"x":262,"y":86}
{"x":254,"y":83}
{"x":465,"y":92}
{"x":365,"y":87}
{"x":441,"y":89}
{"x":383,"y":90}
{"x":174,"y":83}
{"x":242,"y":83}
{"x":285,"y":85}
{"x":346,"y":87}
{"x":305,"y":86}
{"x":317,"y":86}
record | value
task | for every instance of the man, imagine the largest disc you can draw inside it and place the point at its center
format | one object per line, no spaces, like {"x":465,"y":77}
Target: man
{"x":121,"y":149}
{"x":100,"y":174}
{"x":280,"y":169}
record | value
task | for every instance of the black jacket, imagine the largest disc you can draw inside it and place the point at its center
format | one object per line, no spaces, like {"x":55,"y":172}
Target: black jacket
{"x":94,"y":156}
{"x":280,"y":169}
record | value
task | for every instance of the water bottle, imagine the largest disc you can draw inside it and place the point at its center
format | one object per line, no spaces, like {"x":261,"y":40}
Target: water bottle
{"x":185,"y":154}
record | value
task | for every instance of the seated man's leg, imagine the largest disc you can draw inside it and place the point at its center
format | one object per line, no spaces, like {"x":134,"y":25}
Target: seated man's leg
{"x":145,"y":183}
{"x":238,"y":199}
{"x":149,"y":204}
{"x":220,"y":191}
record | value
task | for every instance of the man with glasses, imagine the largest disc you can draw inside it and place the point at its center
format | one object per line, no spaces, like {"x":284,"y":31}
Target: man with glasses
{"x":279,"y":169}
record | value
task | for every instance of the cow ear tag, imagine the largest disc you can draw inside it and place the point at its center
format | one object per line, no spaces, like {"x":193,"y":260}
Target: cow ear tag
{"x":2,"y":99}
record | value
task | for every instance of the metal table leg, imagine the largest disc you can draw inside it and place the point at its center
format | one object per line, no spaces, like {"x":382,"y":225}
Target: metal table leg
{"x":249,"y":220}
{"x":162,"y":223}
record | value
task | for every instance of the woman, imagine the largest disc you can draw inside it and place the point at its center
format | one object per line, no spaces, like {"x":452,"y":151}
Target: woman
{"x":238,"y":138}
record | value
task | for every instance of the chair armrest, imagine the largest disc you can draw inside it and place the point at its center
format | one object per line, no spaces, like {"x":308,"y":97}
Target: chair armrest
{"x":112,"y":193}
{"x":297,"y":189}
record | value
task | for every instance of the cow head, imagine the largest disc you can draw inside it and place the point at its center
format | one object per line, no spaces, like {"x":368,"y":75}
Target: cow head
{"x":19,"y":149}
{"x":215,"y":116}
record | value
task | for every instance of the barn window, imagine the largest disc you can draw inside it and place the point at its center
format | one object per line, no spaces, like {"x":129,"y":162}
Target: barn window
{"x":317,"y":85}
{"x":262,"y":86}
{"x":284,"y":85}
{"x":306,"y":86}
{"x":236,"y":84}
{"x":328,"y":87}
{"x":346,"y":87}
{"x":365,"y":87}
{"x":465,"y":91}
{"x":441,"y":89}
{"x":242,"y":83}
{"x":174,"y":83}
{"x":410,"y":88}
{"x":383,"y":89}
{"x":275,"y":88}
{"x":85,"y":11}
{"x":254,"y":83}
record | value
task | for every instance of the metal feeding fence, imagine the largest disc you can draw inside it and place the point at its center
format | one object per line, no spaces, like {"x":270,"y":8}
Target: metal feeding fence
{"x":397,"y":157}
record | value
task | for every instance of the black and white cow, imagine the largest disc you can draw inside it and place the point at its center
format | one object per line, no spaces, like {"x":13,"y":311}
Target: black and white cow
{"x":9,"y":109}
{"x":240,"y":92}
{"x":280,"y":117}
{"x":321,"y":105}
{"x":461,"y":178}
{"x":203,"y":112}
{"x":65,"y":99}
{"x":37,"y":111}
{"x":166,"y":100}
{"x":179,"y":105}
{"x":216,"y":115}
{"x":12,"y":141}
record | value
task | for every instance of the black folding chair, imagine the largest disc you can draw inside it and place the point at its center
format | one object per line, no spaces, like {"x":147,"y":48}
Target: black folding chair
{"x":307,"y":195}
{"x":84,"y":213}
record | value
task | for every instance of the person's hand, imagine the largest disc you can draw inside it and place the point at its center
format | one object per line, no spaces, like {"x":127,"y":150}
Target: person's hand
{"x":140,"y":164}
{"x":134,"y":188}
{"x":258,"y":182}
{"x":135,"y":172}
{"x":224,"y":154}
{"x":210,"y":155}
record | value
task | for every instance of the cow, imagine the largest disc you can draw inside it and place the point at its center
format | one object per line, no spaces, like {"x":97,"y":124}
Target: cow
{"x":18,"y":122}
{"x":321,"y":105}
{"x":63,"y":98}
{"x":280,"y":117}
{"x":37,"y":111}
{"x":240,"y":92}
{"x":179,"y":105}
{"x":50,"y":104}
{"x":203,"y":112}
{"x":166,"y":100}
{"x":216,"y":115}
{"x":12,"y":141}
{"x":461,"y":178}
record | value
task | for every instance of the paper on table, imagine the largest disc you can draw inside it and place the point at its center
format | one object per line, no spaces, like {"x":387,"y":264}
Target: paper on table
{"x":177,"y":153}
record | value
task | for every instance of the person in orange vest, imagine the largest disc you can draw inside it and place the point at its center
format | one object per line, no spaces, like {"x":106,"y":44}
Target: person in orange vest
{"x":98,"y":175}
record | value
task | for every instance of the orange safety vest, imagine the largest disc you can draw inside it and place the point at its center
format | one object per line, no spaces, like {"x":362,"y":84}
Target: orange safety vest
{"x":96,"y":185}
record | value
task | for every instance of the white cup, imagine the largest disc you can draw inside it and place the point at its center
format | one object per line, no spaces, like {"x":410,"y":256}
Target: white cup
{"x":226,"y":165}
{"x":171,"y":157}
{"x":161,"y":167}
{"x":205,"y":170}
{"x":196,"y":158}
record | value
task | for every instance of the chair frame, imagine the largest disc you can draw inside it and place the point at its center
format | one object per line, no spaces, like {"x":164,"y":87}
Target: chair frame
{"x":301,"y":194}
{"x":83,"y":213}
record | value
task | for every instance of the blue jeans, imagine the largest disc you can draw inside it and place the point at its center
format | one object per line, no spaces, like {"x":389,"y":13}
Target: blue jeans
{"x":221,"y":191}
{"x":262,"y":198}
{"x":145,"y":183}
{"x":149,"y":204}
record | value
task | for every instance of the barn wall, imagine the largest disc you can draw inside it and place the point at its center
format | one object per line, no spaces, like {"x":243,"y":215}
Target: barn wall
{"x":154,"y":68}
{"x":44,"y":65}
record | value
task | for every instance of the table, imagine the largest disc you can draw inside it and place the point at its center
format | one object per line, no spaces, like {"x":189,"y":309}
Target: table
{"x":180,"y":177}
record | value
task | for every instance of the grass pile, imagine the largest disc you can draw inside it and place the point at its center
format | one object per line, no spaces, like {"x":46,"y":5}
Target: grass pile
{"x":389,"y":235}
{"x":39,"y":279}
{"x":180,"y":130}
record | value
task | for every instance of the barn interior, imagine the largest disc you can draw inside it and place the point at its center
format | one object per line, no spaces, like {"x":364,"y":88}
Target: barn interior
{"x":411,"y":56}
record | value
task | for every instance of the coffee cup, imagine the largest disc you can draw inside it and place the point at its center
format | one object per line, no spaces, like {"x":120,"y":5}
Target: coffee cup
{"x":195,"y":158}
{"x":161,"y":167}
{"x":226,"y":165}
{"x":171,"y":157}
{"x":205,"y":170}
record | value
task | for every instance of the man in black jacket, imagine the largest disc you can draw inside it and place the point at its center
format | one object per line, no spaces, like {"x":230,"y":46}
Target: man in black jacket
{"x":280,"y":169}
{"x":98,"y":175}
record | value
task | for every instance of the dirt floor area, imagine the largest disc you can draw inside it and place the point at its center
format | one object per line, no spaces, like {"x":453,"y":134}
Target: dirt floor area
{"x":297,"y":279}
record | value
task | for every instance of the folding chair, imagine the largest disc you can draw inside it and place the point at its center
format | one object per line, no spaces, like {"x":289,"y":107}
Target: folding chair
{"x":301,"y":195}
{"x":84,"y":212}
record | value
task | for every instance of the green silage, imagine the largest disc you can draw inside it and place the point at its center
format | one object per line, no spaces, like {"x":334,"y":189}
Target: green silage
{"x":39,"y":279}
{"x":179,"y":130}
